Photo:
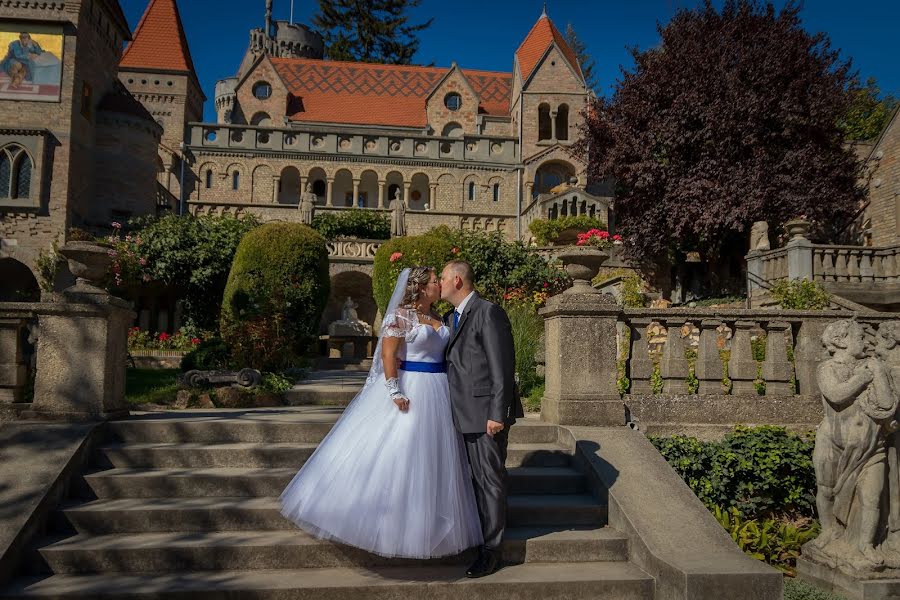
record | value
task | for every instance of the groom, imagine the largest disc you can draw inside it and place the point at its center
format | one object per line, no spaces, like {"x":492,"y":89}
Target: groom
{"x":481,"y":372}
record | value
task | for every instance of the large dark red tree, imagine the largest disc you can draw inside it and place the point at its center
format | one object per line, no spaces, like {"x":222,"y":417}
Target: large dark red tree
{"x":731,"y":119}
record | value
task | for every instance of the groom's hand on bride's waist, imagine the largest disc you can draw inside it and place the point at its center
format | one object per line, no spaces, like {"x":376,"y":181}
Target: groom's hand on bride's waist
{"x":493,"y":428}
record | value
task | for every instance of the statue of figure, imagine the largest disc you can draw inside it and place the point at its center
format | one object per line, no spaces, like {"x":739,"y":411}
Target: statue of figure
{"x":887,"y":348}
{"x":398,"y":215}
{"x":759,"y":236}
{"x":308,"y":205}
{"x":348,"y":312}
{"x":850,"y":457}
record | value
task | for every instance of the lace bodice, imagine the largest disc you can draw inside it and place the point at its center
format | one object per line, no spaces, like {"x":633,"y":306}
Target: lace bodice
{"x":424,"y":343}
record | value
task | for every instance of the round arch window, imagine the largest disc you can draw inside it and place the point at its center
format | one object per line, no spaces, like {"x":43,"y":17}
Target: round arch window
{"x":262,"y":90}
{"x":453,"y":101}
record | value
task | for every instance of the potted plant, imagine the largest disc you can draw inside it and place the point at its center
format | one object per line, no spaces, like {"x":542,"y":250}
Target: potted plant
{"x":582,"y":261}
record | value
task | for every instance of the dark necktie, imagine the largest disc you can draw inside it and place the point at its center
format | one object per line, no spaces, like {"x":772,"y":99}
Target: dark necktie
{"x":455,"y":320}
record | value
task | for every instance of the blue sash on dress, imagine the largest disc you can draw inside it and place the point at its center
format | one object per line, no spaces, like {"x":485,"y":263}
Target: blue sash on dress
{"x":423,"y":367}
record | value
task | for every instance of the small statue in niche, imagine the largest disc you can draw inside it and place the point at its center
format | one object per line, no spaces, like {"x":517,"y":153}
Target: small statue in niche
{"x":308,"y":205}
{"x":348,"y":312}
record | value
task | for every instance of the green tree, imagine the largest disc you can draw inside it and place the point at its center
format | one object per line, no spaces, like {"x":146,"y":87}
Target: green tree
{"x":585,"y":60}
{"x":375,"y":31}
{"x":868,"y":113}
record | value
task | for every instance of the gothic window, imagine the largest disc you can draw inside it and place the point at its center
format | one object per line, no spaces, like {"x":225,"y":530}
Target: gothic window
{"x":562,"y":122}
{"x":545,"y":129}
{"x":235,"y":180}
{"x":15,"y":173}
{"x":208,"y":178}
{"x":496,"y":192}
{"x":471,"y":190}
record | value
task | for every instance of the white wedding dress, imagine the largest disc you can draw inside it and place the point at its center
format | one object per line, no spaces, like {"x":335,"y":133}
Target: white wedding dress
{"x":393,"y":483}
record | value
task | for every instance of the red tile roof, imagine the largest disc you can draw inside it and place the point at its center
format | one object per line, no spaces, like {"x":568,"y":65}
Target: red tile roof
{"x":536,"y":43}
{"x":377,"y":94}
{"x":159,"y":41}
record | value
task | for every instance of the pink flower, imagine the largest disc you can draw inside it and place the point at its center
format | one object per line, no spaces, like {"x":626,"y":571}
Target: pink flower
{"x":195,"y":341}
{"x":546,"y":285}
{"x":396,"y":256}
{"x":146,"y":277}
{"x":617,"y":238}
{"x":454,"y":251}
{"x":143,"y":261}
{"x":164,"y":336}
{"x":116,"y":225}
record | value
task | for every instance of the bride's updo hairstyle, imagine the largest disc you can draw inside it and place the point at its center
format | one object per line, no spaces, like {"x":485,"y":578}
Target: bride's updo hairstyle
{"x":418,"y":278}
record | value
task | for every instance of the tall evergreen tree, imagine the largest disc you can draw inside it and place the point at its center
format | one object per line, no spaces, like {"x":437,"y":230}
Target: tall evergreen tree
{"x":584,"y":59}
{"x":369,"y":30}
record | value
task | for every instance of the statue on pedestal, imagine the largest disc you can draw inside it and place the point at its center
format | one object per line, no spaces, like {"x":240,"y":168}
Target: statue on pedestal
{"x":759,"y":236}
{"x":308,"y":205}
{"x":398,"y":215}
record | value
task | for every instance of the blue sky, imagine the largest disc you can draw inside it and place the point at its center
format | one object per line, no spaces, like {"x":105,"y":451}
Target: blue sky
{"x":485,"y":34}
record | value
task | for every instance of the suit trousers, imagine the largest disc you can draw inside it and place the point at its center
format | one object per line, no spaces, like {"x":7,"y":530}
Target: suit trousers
{"x":487,"y":457}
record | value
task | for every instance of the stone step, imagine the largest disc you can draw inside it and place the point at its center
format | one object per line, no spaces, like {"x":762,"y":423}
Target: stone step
{"x":161,"y":515}
{"x":277,"y":455}
{"x":573,"y":581}
{"x":250,"y":482}
{"x":236,"y":550}
{"x":308,"y":426}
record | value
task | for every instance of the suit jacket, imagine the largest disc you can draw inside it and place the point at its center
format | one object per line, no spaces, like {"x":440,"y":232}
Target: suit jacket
{"x":481,"y":367}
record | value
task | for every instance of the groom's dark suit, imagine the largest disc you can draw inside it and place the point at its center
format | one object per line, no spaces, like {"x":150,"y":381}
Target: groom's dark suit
{"x":481,"y":372}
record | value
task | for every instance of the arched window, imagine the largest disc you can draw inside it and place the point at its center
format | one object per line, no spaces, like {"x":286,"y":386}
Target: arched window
{"x":545,"y":129}
{"x":15,"y":172}
{"x":471,"y":190}
{"x":562,"y":122}
{"x":261,"y":119}
{"x":208,"y":178}
{"x":550,"y":175}
{"x":235,"y":180}
{"x":496,"y":192}
{"x":452,"y":129}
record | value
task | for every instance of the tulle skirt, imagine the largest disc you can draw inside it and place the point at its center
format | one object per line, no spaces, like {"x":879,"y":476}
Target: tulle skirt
{"x":395,"y":484}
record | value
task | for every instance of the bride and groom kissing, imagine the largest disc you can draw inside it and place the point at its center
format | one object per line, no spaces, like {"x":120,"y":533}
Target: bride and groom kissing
{"x":415,"y":466}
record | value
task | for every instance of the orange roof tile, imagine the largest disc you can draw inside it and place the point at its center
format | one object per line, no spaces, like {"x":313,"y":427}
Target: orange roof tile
{"x":159,"y":41}
{"x":377,"y":94}
{"x":536,"y":43}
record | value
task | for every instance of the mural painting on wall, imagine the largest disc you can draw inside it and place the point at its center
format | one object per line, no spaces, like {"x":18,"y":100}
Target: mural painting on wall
{"x":31,"y":67}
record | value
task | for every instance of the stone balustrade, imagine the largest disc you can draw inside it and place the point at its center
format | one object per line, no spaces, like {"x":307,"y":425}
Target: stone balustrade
{"x":856,"y":264}
{"x":353,"y":250}
{"x":322,"y":140}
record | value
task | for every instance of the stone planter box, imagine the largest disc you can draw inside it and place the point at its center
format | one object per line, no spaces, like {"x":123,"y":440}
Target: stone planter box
{"x":157,"y":359}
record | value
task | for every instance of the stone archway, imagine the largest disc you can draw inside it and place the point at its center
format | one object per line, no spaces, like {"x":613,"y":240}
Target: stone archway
{"x":19,"y":283}
{"x":358,"y":286}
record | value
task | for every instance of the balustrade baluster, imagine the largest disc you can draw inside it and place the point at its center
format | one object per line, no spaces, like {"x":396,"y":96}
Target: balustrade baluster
{"x":840,"y":266}
{"x":866,"y":272}
{"x":852,"y":265}
{"x":818,"y":270}
{"x":640,"y":366}
{"x":776,"y":369}
{"x":708,"y":368}
{"x":674,"y":366}
{"x":741,"y":366}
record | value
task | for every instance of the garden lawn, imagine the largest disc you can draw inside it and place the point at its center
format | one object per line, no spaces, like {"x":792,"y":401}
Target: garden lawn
{"x":156,"y":386}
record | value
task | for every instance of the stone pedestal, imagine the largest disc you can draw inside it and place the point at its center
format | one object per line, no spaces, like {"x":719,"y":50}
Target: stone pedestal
{"x":580,"y":332}
{"x":81,"y":357}
{"x":882,"y":586}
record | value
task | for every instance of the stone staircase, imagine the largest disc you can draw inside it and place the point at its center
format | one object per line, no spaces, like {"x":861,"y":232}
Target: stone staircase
{"x":186,"y":505}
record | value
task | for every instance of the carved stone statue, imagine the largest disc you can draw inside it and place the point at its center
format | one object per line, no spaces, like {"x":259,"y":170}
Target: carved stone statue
{"x":348,"y":312}
{"x":759,"y":236}
{"x":308,"y":205}
{"x":855,"y":457}
{"x":349,"y":336}
{"x":398,"y":215}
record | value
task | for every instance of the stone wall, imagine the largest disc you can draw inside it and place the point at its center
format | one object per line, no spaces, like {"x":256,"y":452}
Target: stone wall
{"x":126,"y":167}
{"x":884,"y":187}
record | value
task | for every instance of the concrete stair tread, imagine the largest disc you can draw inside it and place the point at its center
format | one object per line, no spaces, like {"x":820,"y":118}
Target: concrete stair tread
{"x":232,"y":472}
{"x":561,"y":501}
{"x":611,"y":580}
{"x":199,"y":446}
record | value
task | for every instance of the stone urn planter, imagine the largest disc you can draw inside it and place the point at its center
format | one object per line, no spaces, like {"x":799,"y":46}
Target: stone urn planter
{"x":89,"y":262}
{"x":797,"y":228}
{"x":582,"y":263}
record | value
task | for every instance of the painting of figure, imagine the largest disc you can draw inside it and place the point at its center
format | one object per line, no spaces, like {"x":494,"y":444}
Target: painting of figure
{"x":31,"y":67}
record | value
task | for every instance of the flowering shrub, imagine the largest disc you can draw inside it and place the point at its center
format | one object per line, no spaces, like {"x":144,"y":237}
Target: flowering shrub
{"x":128,"y":266}
{"x":396,"y":256}
{"x":139,"y":339}
{"x":598,"y":238}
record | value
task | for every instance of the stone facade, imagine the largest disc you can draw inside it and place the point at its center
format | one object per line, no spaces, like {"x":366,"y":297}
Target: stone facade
{"x":61,"y":138}
{"x":883,"y":182}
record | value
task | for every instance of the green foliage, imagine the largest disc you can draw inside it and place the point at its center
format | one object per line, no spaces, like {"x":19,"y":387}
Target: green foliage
{"x":868,"y":113}
{"x":275,"y":382}
{"x":353,"y":223}
{"x":656,"y":380}
{"x":194,"y":255}
{"x":623,"y":383}
{"x":410,"y":251}
{"x":800,"y":590}
{"x":527,"y":327}
{"x":693,"y":384}
{"x":48,"y":262}
{"x":585,"y":61}
{"x":633,"y":292}
{"x":774,"y":542}
{"x":209,"y":354}
{"x":151,"y":386}
{"x":532,"y":402}
{"x":372,"y":31}
{"x":276,"y":291}
{"x":546,"y":231}
{"x":725,"y":355}
{"x":800,"y":294}
{"x":759,"y":471}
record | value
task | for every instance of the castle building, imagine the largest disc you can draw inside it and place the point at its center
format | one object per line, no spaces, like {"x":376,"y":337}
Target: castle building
{"x":472,"y":149}
{"x":76,"y":149}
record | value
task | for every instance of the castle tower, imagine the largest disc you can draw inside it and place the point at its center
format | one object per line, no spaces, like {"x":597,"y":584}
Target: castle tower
{"x":158,"y":70}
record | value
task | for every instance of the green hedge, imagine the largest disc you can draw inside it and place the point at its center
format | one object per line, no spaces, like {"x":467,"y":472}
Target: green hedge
{"x":353,"y":223}
{"x":548,"y":230}
{"x":410,"y":251}
{"x":800,"y":294}
{"x":276,"y":291}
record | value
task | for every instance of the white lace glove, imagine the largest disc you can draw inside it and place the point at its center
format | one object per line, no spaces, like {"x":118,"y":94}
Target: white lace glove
{"x":393,"y":386}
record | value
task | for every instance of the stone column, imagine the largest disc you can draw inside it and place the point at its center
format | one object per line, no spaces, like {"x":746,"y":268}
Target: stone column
{"x":580,"y":333}
{"x":329,"y":201}
{"x":799,"y":258}
{"x":302,"y":190}
{"x":381,"y":190}
{"x":708,"y":368}
{"x":673,"y":368}
{"x":640,"y":365}
{"x":12,"y":363}
{"x":276,"y":181}
{"x":406,"y":195}
{"x":741,"y":366}
{"x":355,"y":200}
{"x":776,"y":369}
{"x":553,"y":114}
{"x":432,"y":196}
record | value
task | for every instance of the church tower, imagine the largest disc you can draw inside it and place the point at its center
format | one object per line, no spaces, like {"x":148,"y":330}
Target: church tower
{"x":157,"y":69}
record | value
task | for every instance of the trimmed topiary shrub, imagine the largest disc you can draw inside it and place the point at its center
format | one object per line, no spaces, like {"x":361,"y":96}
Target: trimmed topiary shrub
{"x":276,"y":291}
{"x":410,"y":251}
{"x":353,"y":223}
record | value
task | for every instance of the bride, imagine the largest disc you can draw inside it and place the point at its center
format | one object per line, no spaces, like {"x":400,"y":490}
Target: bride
{"x":391,"y":477}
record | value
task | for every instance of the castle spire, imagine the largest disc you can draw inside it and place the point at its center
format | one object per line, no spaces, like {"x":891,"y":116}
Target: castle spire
{"x":159,"y":41}
{"x":268,"y":17}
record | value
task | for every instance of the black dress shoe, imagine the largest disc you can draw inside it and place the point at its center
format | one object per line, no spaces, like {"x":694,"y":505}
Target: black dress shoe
{"x":487,"y":563}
